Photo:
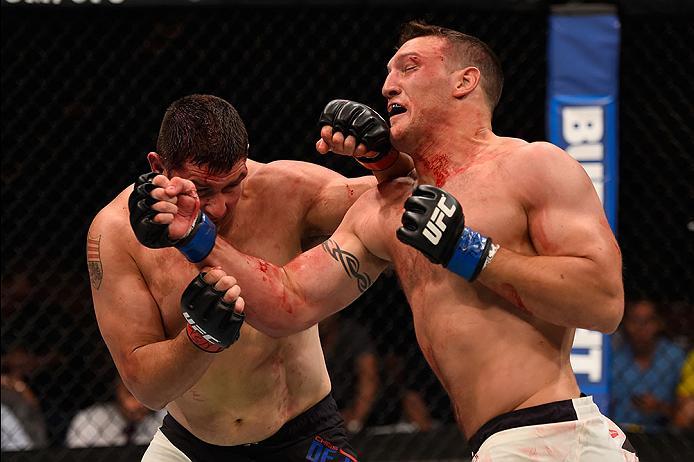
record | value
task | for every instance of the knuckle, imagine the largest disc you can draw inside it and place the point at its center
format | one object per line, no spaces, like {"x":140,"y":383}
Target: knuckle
{"x":326,"y":132}
{"x":214,"y":275}
{"x":160,"y":180}
{"x":338,"y":138}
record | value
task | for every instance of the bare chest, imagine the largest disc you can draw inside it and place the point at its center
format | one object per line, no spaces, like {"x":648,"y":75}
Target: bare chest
{"x":490,"y":206}
{"x":167,"y":273}
{"x":438,"y":298}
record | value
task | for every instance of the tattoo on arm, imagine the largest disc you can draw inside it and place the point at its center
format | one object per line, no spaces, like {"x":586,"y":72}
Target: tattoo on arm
{"x":96,"y":272}
{"x":350,"y":263}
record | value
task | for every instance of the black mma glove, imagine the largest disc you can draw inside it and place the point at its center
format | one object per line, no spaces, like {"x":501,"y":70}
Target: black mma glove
{"x":212,"y":324}
{"x":434,"y":224}
{"x":140,"y":202}
{"x":196,"y":245}
{"x":366,"y":125}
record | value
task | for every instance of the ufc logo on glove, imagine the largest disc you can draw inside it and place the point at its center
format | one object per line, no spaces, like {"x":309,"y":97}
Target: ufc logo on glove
{"x":443,"y":237}
{"x":436,"y":227}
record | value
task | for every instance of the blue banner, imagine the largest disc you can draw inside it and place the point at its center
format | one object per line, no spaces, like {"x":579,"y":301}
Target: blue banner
{"x":583,"y":84}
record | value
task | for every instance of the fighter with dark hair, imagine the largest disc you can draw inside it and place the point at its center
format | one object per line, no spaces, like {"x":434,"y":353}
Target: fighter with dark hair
{"x":231,"y":392}
{"x":499,"y":268}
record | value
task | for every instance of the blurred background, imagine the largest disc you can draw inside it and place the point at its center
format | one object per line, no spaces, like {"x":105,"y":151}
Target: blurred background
{"x":85,"y":85}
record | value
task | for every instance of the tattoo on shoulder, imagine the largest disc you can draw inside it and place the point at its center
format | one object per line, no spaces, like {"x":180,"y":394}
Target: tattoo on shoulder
{"x":350,"y":263}
{"x":96,"y":272}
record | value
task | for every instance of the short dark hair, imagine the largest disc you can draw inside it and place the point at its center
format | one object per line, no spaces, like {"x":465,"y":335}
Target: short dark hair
{"x":204,"y":130}
{"x":470,"y":50}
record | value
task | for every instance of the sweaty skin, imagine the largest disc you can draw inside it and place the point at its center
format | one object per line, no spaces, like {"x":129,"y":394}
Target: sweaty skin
{"x":245,"y":393}
{"x":502,"y":342}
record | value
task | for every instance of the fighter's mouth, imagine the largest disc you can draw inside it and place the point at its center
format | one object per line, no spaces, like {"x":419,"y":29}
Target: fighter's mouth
{"x":396,"y":109}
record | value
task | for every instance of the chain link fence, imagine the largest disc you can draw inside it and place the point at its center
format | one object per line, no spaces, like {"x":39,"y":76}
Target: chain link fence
{"x":83,"y":93}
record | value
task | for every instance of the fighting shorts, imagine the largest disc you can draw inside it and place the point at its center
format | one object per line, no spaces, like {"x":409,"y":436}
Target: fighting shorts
{"x":316,"y":435}
{"x":573,"y":431}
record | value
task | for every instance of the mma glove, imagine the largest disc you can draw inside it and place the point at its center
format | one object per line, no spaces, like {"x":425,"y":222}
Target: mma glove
{"x":434,"y":224}
{"x":212,"y":324}
{"x":196,"y":245}
{"x":366,"y":125}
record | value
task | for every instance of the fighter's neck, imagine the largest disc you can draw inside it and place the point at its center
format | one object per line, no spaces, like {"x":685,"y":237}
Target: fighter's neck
{"x":438,"y":159}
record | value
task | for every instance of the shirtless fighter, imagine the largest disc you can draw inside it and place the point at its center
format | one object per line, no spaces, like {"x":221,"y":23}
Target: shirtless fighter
{"x":222,"y":401}
{"x":513,"y":256}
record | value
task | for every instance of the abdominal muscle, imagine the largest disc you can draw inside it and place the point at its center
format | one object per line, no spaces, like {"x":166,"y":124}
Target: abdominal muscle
{"x":490,"y":357}
{"x":254,"y":388}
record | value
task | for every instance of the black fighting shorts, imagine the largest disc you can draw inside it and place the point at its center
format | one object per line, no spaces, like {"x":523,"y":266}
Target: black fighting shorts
{"x":316,"y":435}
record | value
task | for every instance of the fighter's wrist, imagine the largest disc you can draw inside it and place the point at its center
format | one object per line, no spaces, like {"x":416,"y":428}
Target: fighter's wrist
{"x":472,"y":252}
{"x":198,"y":339}
{"x":382,"y":161}
{"x":199,"y":241}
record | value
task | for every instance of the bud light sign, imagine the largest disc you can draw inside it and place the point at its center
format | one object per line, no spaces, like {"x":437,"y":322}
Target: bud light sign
{"x":583,"y":57}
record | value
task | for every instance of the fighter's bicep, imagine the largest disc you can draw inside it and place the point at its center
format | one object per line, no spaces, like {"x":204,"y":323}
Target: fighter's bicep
{"x":127,"y":315}
{"x":567,"y":217}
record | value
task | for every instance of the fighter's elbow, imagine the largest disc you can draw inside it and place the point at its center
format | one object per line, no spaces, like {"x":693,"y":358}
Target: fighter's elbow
{"x":149,"y":398}
{"x":153,"y":404}
{"x":611,"y":314}
{"x":279,"y":326}
{"x":139,"y":381}
{"x":292,"y":326}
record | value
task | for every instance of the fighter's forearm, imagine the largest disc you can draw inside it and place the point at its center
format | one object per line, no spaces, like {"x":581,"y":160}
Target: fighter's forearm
{"x":566,"y":291}
{"x":160,"y":372}
{"x":403,"y":166}
{"x":273,"y":305}
{"x":285,"y":300}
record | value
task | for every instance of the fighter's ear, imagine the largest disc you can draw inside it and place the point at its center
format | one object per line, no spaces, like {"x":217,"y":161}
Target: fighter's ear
{"x":155,"y":162}
{"x":465,"y":81}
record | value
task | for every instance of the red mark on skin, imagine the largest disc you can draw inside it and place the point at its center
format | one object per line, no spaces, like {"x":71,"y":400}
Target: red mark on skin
{"x":350,"y":191}
{"x":541,"y":240}
{"x":287,"y":307}
{"x":510,"y":293}
{"x":262,"y":266}
{"x":440,"y":167}
{"x":530,"y":452}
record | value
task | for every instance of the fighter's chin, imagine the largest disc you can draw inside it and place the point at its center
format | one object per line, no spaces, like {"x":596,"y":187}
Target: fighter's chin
{"x":398,"y":138}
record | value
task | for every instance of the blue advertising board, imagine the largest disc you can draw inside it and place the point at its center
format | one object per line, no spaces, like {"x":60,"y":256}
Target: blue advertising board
{"x":583,"y":84}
